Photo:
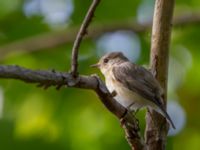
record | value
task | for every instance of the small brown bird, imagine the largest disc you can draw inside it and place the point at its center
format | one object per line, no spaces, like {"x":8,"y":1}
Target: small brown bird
{"x":135,"y":86}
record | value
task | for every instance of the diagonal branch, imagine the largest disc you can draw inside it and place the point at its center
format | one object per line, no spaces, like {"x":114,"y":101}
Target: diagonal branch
{"x":81,"y":33}
{"x":58,"y":79}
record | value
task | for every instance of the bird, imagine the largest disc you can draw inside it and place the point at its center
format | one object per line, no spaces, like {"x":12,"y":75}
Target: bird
{"x":134,"y":86}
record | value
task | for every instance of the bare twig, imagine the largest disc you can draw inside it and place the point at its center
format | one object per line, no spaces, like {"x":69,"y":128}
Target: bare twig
{"x":157,"y":127}
{"x":81,"y":33}
{"x":54,"y":39}
{"x":54,"y":78}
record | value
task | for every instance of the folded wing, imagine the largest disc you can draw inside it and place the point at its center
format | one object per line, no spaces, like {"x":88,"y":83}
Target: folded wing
{"x":139,"y":80}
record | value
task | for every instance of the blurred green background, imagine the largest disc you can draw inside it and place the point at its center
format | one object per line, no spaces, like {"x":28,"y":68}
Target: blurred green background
{"x":74,"y":119}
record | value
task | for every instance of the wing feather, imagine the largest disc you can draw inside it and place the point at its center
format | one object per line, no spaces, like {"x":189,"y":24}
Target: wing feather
{"x":140,"y":80}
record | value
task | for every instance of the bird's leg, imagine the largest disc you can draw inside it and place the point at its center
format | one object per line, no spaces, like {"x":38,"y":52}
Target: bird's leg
{"x":114,"y":93}
{"x":130,"y":105}
{"x":137,"y":110}
{"x":134,"y":112}
{"x":131,"y":111}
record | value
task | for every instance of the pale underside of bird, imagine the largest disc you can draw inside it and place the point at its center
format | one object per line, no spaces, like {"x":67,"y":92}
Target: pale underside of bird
{"x":134,"y":85}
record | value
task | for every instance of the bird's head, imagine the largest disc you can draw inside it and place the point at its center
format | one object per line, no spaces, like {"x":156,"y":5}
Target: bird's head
{"x":110,"y":60}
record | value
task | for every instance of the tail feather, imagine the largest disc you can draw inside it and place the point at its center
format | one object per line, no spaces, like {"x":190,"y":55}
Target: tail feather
{"x":166,"y":115}
{"x":160,"y":109}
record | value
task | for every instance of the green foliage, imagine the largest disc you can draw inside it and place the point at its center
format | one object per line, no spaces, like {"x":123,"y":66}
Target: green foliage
{"x":75,"y":119}
{"x":112,"y":10}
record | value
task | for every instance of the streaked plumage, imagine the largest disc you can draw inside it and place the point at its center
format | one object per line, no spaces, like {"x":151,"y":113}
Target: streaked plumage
{"x":135,"y":86}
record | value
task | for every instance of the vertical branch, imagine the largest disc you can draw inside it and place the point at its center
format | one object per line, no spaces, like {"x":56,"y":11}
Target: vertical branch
{"x":157,"y":128}
{"x":79,"y":37}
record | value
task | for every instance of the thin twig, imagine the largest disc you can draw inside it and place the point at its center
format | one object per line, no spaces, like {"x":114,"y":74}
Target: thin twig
{"x":79,"y":37}
{"x":58,"y":79}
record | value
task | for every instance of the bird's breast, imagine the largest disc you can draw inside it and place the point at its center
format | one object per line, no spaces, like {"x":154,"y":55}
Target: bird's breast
{"x":124,"y":96}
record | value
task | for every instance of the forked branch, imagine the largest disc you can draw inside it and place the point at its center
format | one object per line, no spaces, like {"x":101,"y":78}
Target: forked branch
{"x":45,"y":79}
{"x":79,"y":37}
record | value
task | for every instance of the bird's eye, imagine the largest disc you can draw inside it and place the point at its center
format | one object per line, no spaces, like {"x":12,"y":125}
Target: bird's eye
{"x":105,"y":60}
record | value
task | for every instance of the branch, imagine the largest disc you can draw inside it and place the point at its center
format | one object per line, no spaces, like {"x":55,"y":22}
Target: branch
{"x":186,"y":19}
{"x":157,"y":127}
{"x":54,"y":39}
{"x":58,"y":79}
{"x":128,"y":121}
{"x":81,"y":33}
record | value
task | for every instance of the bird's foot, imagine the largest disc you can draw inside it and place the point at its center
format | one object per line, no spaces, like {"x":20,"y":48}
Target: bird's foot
{"x":133,"y":111}
{"x":129,"y":106}
{"x":136,"y":111}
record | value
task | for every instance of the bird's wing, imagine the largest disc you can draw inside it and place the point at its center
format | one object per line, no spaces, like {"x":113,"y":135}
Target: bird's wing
{"x":139,"y":80}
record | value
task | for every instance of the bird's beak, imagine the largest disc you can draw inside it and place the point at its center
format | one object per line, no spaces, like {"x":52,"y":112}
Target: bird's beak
{"x":95,"y":65}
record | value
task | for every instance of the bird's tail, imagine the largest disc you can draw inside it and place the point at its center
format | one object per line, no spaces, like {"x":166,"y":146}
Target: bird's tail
{"x":163,"y":112}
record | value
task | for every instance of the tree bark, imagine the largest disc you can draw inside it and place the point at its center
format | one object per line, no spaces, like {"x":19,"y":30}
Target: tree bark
{"x":157,"y":127}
